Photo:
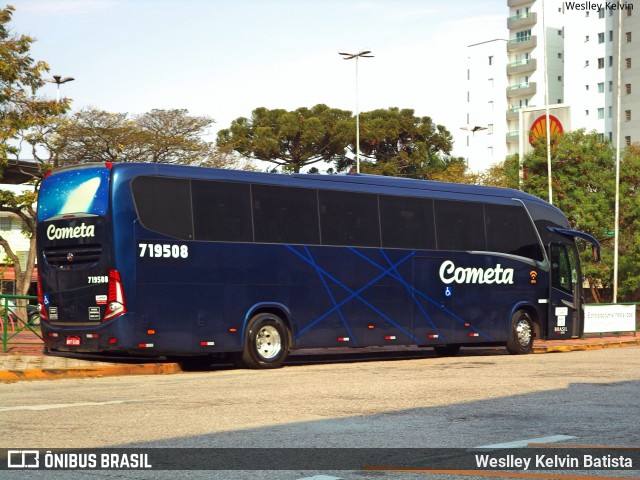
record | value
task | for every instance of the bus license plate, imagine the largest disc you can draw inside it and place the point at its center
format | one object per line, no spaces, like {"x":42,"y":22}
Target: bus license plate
{"x":73,"y":341}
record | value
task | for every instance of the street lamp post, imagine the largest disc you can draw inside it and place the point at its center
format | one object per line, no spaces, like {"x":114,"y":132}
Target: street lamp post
{"x":351,"y":56}
{"x":473,"y":130}
{"x":58,"y":80}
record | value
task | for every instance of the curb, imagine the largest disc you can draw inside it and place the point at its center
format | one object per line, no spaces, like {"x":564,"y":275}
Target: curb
{"x":84,"y":372}
{"x":583,"y":347}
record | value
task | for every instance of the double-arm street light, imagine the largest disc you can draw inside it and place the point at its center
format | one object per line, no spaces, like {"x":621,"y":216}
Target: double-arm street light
{"x":473,"y":129}
{"x":351,"y":56}
{"x":58,"y":80}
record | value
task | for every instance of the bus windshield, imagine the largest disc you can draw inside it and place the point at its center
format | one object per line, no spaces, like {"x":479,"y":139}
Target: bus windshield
{"x":81,"y":191}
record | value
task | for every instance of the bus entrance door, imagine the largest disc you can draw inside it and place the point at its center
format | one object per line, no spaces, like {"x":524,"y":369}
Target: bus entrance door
{"x":565,"y":320}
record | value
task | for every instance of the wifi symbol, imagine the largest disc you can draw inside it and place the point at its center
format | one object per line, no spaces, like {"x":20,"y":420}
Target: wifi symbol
{"x":533,"y":274}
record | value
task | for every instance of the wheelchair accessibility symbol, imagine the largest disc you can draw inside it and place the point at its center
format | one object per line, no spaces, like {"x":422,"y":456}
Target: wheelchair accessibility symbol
{"x":448,"y":291}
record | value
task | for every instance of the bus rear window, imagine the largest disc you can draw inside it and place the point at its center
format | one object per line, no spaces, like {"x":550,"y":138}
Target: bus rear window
{"x":83,"y":191}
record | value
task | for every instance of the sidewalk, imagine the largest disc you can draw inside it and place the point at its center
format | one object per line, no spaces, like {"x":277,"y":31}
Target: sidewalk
{"x":26,"y":360}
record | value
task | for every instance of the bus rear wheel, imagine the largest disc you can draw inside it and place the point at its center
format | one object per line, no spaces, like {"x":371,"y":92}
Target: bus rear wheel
{"x":267,"y":342}
{"x":521,"y":335}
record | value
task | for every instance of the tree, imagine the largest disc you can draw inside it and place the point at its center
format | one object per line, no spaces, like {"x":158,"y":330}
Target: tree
{"x":505,"y":174}
{"x":583,"y":172}
{"x":92,"y":135}
{"x":20,"y":78}
{"x":454,"y":169}
{"x":629,"y":261}
{"x":173,"y":136}
{"x":291,"y":140}
{"x":395,"y":142}
{"x":21,"y":113}
{"x":158,"y":136}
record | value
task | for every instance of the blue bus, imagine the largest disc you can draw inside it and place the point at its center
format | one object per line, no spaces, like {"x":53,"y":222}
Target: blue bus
{"x":195,"y":263}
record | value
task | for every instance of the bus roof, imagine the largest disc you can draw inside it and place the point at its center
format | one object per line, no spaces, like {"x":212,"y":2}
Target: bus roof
{"x":357,"y":182}
{"x":422,"y":185}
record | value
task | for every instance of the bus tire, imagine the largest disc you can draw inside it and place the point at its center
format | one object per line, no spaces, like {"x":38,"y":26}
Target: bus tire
{"x":446,"y":350}
{"x":267,"y":342}
{"x":520,"y":340}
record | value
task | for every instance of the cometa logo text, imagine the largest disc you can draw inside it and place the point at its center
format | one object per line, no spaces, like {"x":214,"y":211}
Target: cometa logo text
{"x":449,"y":273}
{"x":81,"y":231}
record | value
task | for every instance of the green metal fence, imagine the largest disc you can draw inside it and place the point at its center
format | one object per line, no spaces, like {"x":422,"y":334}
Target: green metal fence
{"x":19,"y":314}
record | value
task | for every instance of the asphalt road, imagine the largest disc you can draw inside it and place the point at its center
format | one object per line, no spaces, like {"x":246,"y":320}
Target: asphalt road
{"x":587,"y":398}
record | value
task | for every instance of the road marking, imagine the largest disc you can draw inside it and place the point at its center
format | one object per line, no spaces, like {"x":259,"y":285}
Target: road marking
{"x":481,"y":473}
{"x":524,"y":443}
{"x":54,"y":406}
{"x":573,"y":445}
{"x":320,"y":477}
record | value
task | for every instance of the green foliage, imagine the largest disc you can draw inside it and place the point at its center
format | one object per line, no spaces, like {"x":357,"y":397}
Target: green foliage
{"x":583,"y":185}
{"x":397,"y":143}
{"x":392,"y":141}
{"x":629,"y":261}
{"x":21,"y":114}
{"x":453,"y":169}
{"x":158,"y":136}
{"x":291,"y":140}
{"x":20,"y":78}
{"x":505,"y":174}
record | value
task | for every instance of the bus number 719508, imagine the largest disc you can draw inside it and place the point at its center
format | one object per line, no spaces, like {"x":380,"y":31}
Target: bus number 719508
{"x":158,"y":250}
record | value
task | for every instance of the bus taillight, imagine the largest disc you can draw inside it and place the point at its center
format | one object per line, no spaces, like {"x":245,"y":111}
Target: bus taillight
{"x":41,"y":308}
{"x":116,"y":304}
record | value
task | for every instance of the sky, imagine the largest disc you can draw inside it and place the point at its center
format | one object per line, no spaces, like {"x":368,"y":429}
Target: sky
{"x":224,"y":58}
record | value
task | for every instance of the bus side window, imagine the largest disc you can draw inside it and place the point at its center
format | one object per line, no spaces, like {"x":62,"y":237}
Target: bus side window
{"x":222,"y":211}
{"x":285,"y":215}
{"x":164,"y":205}
{"x":407,"y":222}
{"x":348,"y":218}
{"x":509,"y":230}
{"x":460,"y":225}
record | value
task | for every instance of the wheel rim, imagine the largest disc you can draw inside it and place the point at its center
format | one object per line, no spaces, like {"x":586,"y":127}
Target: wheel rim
{"x":268,"y":342}
{"x":523,"y":331}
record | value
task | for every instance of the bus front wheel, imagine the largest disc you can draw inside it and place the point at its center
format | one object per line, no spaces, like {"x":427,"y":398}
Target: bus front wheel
{"x":267,"y":342}
{"x":521,"y":334}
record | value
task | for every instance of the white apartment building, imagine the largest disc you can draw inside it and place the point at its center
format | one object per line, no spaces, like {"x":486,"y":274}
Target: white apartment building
{"x":581,"y":62}
{"x":529,"y":33}
{"x":486,"y":102}
{"x":592,"y":71}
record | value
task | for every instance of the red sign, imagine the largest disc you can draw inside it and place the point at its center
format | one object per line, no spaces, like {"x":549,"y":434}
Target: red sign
{"x":539,"y":128}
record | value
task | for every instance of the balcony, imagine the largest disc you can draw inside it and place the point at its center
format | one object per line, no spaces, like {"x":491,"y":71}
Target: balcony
{"x":516,"y":3}
{"x":514,"y":113}
{"x":521,"y":89}
{"x":523,"y":43}
{"x":522,"y":66}
{"x":512,"y":136}
{"x":522,"y":21}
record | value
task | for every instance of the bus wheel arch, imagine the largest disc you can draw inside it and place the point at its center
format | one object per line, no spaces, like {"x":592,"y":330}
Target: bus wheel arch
{"x":523,"y":329}
{"x":277,"y":309}
{"x":267,"y":340}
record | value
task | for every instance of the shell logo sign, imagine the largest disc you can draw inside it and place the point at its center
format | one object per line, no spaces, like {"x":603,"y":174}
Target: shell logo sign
{"x":539,"y":128}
